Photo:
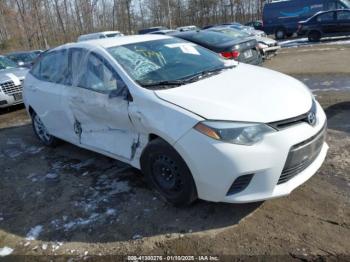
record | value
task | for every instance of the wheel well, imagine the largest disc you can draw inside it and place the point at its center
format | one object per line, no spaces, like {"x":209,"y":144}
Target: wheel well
{"x":152,"y":137}
{"x":31,"y":110}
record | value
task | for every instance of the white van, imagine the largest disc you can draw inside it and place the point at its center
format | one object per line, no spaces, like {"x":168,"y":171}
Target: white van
{"x":99,"y":35}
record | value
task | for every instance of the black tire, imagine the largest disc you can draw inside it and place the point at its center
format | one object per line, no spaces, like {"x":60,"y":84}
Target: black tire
{"x":167,"y":173}
{"x":280,"y":33}
{"x":41,"y":133}
{"x":314,"y":36}
{"x":289,"y":34}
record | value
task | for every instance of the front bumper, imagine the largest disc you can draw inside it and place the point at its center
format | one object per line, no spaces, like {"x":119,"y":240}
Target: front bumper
{"x":215,"y":165}
{"x":270,"y":51}
{"x":10,"y":100}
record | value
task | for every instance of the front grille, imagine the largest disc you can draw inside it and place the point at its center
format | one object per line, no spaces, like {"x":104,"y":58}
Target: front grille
{"x":240,"y":184}
{"x":301,"y":156}
{"x":279,"y":125}
{"x":9,"y":88}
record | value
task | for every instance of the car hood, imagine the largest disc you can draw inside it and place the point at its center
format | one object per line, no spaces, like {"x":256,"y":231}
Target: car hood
{"x":8,"y":74}
{"x":244,"y":93}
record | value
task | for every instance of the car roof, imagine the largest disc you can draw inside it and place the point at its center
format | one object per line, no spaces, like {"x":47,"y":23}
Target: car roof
{"x":333,"y":10}
{"x":117,"y":41}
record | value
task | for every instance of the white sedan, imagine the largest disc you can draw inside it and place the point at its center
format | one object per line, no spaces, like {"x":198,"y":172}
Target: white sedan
{"x":197,"y":125}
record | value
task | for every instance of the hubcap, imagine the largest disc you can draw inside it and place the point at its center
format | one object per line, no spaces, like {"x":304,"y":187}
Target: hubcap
{"x":41,"y":129}
{"x":166,"y":174}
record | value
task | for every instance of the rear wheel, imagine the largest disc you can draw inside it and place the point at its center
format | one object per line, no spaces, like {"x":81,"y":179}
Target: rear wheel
{"x":168,"y":173}
{"x":280,"y":33}
{"x":41,"y":131}
{"x":314,"y":36}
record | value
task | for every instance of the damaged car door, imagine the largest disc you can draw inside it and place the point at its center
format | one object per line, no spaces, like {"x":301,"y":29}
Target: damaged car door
{"x":98,"y":106}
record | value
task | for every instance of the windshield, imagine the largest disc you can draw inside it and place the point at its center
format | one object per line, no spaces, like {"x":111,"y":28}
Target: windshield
{"x":165,"y":60}
{"x":6,"y":63}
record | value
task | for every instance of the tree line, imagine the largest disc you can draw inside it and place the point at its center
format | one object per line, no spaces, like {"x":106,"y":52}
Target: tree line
{"x":41,"y":24}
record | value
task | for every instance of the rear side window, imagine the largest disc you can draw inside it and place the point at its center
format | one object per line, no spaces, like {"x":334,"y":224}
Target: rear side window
{"x":327,"y":17}
{"x":53,"y":67}
{"x":343,"y":15}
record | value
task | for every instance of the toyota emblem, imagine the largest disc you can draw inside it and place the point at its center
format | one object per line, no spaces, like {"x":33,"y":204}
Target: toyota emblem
{"x":311,"y":118}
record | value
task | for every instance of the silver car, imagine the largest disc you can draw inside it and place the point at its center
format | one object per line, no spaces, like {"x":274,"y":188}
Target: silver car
{"x":11,"y":80}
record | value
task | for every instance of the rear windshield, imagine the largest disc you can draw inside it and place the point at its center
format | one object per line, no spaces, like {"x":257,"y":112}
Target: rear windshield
{"x":232,"y":32}
{"x":211,"y":38}
{"x":112,"y":35}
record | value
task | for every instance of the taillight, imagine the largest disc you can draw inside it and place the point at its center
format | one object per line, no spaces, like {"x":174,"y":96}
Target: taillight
{"x":231,"y":55}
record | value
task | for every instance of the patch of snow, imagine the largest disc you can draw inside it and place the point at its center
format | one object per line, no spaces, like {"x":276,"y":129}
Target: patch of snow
{"x":83,"y":164}
{"x":14,"y":141}
{"x":111,"y":212}
{"x":136,"y":237}
{"x":34,"y":150}
{"x":80,"y":222}
{"x":5,"y":251}
{"x":34,"y":232}
{"x":52,"y":176}
{"x":26,"y":244}
{"x":12,"y":153}
{"x":44,"y":246}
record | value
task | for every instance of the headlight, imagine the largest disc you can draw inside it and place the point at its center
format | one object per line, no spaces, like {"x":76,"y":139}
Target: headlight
{"x":237,"y":46}
{"x":262,"y":45}
{"x":234,"y":132}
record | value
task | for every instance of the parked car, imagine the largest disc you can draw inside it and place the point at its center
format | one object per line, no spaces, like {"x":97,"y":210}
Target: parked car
{"x":330,"y":23}
{"x":23,"y":58}
{"x":281,"y":17}
{"x":242,"y":50}
{"x":268,"y":47}
{"x":246,"y":29}
{"x":105,"y":34}
{"x":37,"y":52}
{"x":152,"y":29}
{"x":187,"y":28}
{"x":258,"y":25}
{"x":11,"y":79}
{"x":197,"y":125}
{"x":163,"y":32}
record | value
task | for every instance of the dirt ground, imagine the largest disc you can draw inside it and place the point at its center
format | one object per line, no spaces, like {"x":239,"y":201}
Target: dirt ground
{"x":74,"y":203}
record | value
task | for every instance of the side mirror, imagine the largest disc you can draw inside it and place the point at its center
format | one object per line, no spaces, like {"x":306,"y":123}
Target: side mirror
{"x":20,"y":63}
{"x":122,"y":91}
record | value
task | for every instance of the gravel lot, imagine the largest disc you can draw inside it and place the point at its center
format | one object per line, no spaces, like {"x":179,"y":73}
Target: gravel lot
{"x":69,"y":201}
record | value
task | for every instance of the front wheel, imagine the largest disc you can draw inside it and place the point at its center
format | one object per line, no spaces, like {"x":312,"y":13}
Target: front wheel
{"x":41,"y":132}
{"x":314,"y":36}
{"x":167,"y":172}
{"x":280,"y":33}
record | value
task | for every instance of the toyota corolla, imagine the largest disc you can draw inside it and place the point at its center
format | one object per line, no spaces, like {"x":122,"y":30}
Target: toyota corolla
{"x":196,"y":124}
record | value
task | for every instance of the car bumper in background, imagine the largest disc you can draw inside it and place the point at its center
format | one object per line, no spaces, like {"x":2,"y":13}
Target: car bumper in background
{"x":10,"y":100}
{"x":231,"y":173}
{"x":270,"y":51}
